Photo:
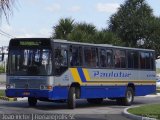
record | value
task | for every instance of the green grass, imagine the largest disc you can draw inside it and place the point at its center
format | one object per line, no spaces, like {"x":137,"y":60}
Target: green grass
{"x":158,"y":90}
{"x":152,"y":110}
{"x":2,"y":69}
{"x":2,"y":93}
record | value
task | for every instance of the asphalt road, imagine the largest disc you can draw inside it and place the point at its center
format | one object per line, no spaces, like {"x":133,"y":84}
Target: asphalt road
{"x":2,"y":81}
{"x":109,"y":110}
{"x":2,"y":78}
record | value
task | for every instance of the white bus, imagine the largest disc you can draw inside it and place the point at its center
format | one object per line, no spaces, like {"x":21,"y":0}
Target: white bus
{"x":59,"y":70}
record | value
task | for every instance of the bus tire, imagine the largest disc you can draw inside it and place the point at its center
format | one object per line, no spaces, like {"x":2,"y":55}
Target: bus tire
{"x":32,"y":101}
{"x":95,"y":101}
{"x":129,"y":97}
{"x":71,"y":98}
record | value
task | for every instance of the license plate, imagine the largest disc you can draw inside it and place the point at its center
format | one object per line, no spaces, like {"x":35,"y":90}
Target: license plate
{"x":26,"y":93}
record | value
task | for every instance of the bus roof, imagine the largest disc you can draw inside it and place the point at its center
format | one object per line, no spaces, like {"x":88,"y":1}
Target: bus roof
{"x":81,"y":43}
{"x":99,"y":45}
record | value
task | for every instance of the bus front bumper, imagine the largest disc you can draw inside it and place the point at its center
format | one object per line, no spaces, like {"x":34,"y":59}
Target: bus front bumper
{"x":57,"y":93}
{"x":27,"y":93}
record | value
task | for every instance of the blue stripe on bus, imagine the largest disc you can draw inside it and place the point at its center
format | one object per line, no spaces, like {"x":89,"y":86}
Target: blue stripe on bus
{"x":81,"y":74}
{"x":61,"y":92}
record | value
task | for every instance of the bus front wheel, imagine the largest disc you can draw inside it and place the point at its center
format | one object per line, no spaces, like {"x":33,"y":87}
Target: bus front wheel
{"x":32,"y":101}
{"x":72,"y":98}
{"x":129,"y":97}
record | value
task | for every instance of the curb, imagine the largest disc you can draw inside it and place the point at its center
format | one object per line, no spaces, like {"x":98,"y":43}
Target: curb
{"x":156,"y":95}
{"x":131,"y":116}
{"x":8,"y":98}
{"x":135,"y":117}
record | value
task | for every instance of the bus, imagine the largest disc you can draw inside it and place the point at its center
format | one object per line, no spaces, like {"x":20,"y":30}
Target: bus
{"x":45,"y":69}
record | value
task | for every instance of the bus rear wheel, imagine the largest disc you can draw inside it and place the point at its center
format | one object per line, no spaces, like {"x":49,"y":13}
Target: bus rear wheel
{"x":129,"y":97}
{"x":32,"y":101}
{"x":95,"y":101}
{"x":71,"y":98}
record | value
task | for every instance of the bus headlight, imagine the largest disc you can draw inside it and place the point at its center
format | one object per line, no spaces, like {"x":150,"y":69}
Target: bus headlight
{"x":8,"y":86}
{"x":42,"y":87}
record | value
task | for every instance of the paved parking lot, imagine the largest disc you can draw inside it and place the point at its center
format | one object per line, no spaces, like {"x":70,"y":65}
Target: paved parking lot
{"x":109,"y":110}
{"x":2,"y":78}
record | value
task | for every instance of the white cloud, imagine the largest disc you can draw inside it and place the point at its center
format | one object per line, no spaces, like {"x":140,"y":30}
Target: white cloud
{"x":45,"y":32}
{"x":107,"y":7}
{"x":25,"y":35}
{"x":7,"y":28}
{"x":158,"y":63}
{"x":54,"y":8}
{"x":75,"y":9}
{"x":42,"y":33}
{"x":22,"y":33}
{"x":6,"y":37}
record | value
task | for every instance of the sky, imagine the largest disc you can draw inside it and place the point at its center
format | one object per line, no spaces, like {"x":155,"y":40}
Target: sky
{"x":36,"y":18}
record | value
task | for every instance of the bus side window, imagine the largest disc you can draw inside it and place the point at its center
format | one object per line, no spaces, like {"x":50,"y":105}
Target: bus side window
{"x":90,"y":56}
{"x":97,"y":58}
{"x":80,"y":53}
{"x":120,"y":59}
{"x":136,"y":60}
{"x":75,"y":56}
{"x":152,"y":61}
{"x":103,"y":58}
{"x":61,"y":58}
{"x":61,"y":55}
{"x":132,"y":59}
{"x":148,"y":64}
{"x":142,"y":60}
{"x":117,"y":59}
{"x":146,"y":60}
{"x":93,"y":57}
{"x":109,"y":58}
{"x":58,"y":56}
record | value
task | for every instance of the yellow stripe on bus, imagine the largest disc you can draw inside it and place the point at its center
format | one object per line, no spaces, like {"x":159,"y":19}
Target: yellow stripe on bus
{"x":122,"y":82}
{"x":75,"y":75}
{"x":86,"y":74}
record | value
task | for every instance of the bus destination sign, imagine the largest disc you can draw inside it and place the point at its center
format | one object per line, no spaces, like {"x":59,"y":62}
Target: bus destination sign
{"x":30,"y":43}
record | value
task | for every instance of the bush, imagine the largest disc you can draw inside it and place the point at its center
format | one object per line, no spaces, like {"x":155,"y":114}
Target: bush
{"x":2,"y":93}
{"x":2,"y":69}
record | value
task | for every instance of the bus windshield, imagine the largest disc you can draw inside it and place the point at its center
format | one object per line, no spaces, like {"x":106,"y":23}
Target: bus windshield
{"x":30,"y":62}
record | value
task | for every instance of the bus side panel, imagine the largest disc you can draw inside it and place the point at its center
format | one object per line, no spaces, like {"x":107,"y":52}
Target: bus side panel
{"x":141,"y":90}
{"x":102,"y":91}
{"x":59,"y":92}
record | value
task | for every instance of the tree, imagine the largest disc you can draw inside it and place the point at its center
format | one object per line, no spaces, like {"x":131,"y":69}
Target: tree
{"x":83,"y":32}
{"x":153,"y":36}
{"x":131,"y":21}
{"x":107,"y":37}
{"x":64,"y":27}
{"x":6,"y":7}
